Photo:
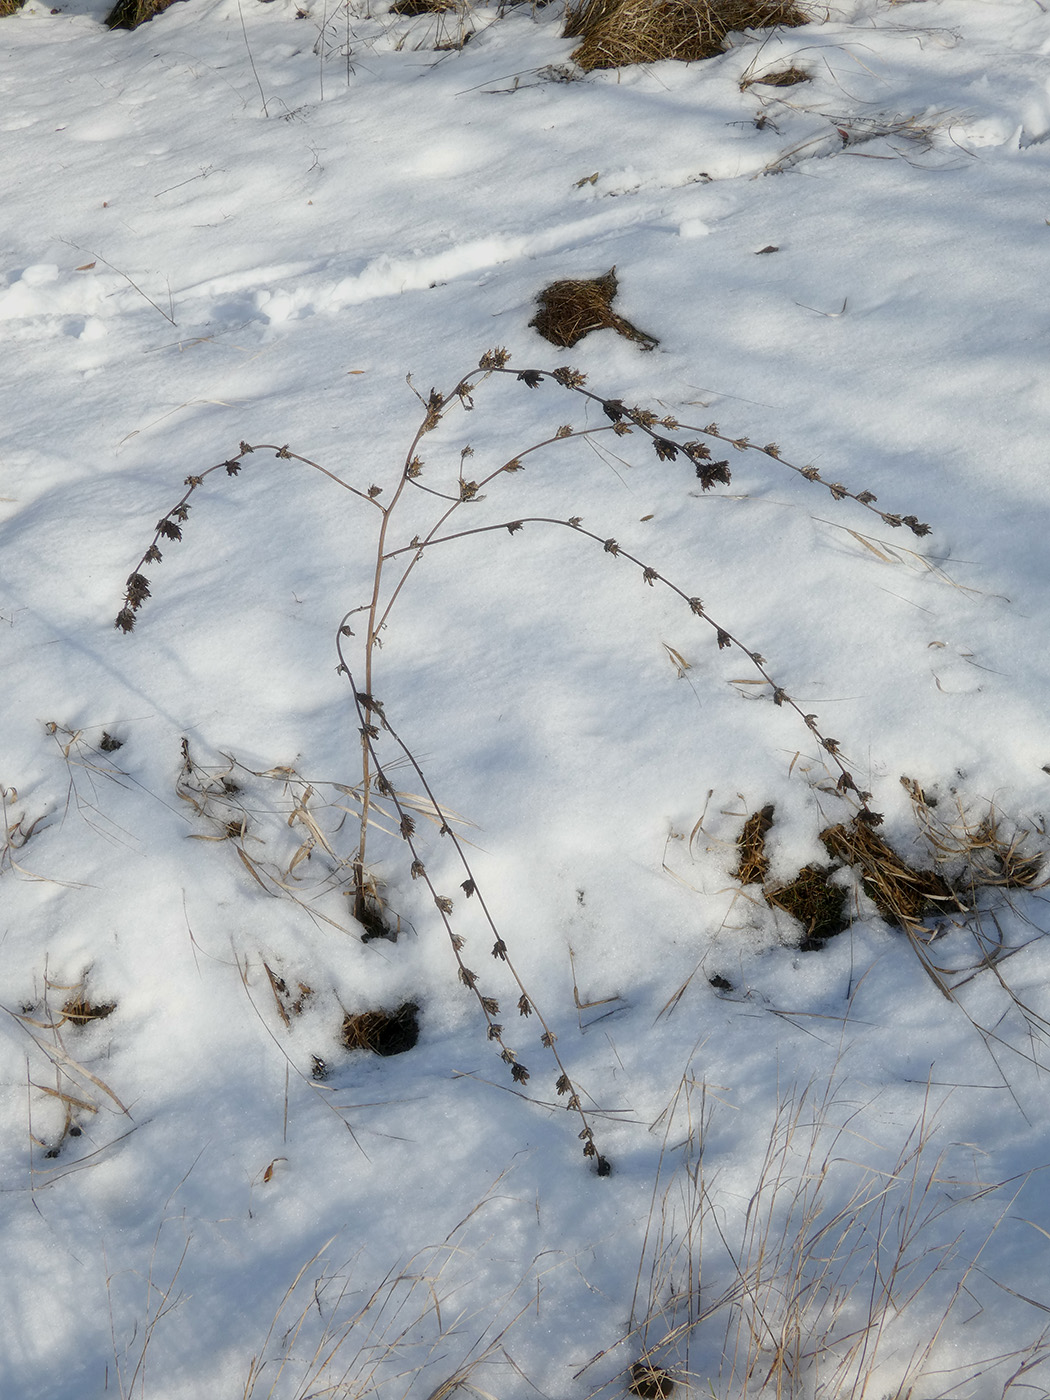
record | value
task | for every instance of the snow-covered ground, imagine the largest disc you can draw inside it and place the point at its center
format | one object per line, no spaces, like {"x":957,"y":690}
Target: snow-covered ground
{"x":248,"y":223}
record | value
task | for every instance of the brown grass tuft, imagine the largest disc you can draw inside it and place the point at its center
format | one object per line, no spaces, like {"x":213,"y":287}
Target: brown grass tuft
{"x":815,"y":903}
{"x":753,"y":866}
{"x":422,"y":7}
{"x":571,"y":309}
{"x":129,"y":14}
{"x":619,"y":32}
{"x":383,"y":1032}
{"x":10,"y":7}
{"x":650,"y":1382}
{"x":902,"y":894}
{"x":781,"y":77}
{"x":81,"y":1012}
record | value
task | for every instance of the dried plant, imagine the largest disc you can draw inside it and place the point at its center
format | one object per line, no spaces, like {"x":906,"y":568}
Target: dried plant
{"x":335,"y":1332}
{"x":377,"y":800}
{"x":619,"y":32}
{"x":64,"y":1108}
{"x":815,"y":1279}
{"x":571,"y":309}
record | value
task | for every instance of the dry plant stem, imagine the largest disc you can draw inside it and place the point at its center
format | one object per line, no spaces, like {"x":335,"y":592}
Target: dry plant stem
{"x":369,"y":710}
{"x":621,"y":421}
{"x":648,"y":423}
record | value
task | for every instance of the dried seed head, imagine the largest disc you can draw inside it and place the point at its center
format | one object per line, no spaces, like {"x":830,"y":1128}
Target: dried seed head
{"x":494,"y":359}
{"x":499,"y":949}
{"x":467,"y":977}
{"x":712,"y":474}
{"x":524,"y":1006}
{"x":443,"y":903}
{"x":519,"y":1074}
{"x":490,"y":1006}
{"x":569,"y":378}
{"x":125,"y":620}
{"x":531,"y":378}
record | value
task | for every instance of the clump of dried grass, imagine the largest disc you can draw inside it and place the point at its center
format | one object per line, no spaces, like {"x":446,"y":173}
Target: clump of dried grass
{"x":10,"y":7}
{"x":571,"y":309}
{"x":422,"y":7}
{"x":80,"y":1011}
{"x":620,"y":32}
{"x":753,"y":865}
{"x":129,"y":14}
{"x":780,"y":77}
{"x":383,"y":1032}
{"x":903,"y":895}
{"x":817,"y":904}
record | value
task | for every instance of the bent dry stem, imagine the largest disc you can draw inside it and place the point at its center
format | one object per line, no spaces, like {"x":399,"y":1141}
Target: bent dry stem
{"x":670,"y":440}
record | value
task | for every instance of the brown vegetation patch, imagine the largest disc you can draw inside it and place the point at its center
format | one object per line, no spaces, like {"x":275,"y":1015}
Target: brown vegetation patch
{"x":753,"y":866}
{"x":619,"y":32}
{"x":815,"y":903}
{"x":383,"y":1032}
{"x":422,"y":7}
{"x":571,"y":309}
{"x":10,"y":7}
{"x":129,"y":14}
{"x":781,"y":77}
{"x":650,"y":1382}
{"x":902,"y":894}
{"x":79,"y":1011}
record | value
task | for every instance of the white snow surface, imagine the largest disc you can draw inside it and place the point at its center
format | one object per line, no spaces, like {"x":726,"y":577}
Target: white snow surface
{"x":250,"y":222}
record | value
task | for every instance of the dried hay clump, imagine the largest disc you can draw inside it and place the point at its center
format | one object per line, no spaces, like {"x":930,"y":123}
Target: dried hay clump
{"x":571,"y":309}
{"x":79,"y":1011}
{"x":781,"y":77}
{"x":422,"y":7}
{"x":619,"y":32}
{"x":10,"y":7}
{"x":818,"y":905}
{"x":383,"y":1032}
{"x":129,"y":14}
{"x":903,"y":895}
{"x":753,"y":864}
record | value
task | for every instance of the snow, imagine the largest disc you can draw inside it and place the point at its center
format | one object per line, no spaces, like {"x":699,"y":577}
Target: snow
{"x":236,"y":224}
